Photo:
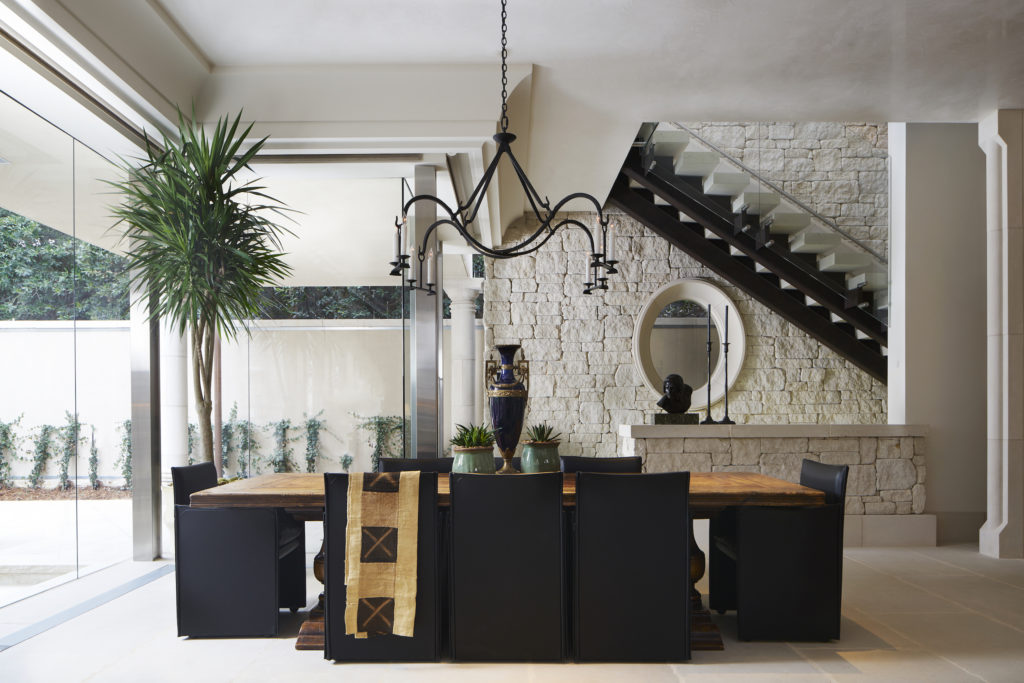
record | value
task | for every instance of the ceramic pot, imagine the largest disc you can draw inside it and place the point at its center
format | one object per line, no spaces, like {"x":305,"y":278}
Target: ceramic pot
{"x":507,"y":394}
{"x":540,"y":456}
{"x":479,"y":460}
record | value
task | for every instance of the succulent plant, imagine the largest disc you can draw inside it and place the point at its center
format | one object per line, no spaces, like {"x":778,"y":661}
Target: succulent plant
{"x":542,"y":433}
{"x":473,"y":436}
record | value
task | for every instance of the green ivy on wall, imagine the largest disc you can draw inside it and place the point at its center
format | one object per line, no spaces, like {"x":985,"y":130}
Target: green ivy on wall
{"x":8,"y":442}
{"x":125,"y":458}
{"x":41,"y":453}
{"x":313,"y":426}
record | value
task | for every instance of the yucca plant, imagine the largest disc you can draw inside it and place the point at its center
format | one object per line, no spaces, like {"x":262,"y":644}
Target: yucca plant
{"x":196,"y":243}
{"x":473,"y":436}
{"x":542,"y":433}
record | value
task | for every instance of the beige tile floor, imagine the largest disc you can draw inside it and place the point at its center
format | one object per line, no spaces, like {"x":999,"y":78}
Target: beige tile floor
{"x":910,"y":614}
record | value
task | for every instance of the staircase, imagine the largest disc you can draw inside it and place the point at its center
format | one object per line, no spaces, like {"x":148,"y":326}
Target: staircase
{"x":760,"y":239}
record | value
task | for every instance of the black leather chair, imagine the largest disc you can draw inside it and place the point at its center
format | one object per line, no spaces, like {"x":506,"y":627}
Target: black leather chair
{"x":417,"y":464}
{"x":187,"y":480}
{"x":507,"y":568}
{"x":424,"y":646}
{"x":235,"y":567}
{"x":781,"y":568}
{"x":631,"y":576}
{"x":576,"y":463}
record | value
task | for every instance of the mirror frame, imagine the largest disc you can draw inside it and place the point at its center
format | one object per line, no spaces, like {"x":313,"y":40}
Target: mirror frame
{"x":704,"y":293}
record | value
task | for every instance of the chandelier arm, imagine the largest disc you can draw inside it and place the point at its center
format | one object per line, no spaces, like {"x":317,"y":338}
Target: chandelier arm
{"x":531,"y":192}
{"x":429,"y":198}
{"x":476,"y":199}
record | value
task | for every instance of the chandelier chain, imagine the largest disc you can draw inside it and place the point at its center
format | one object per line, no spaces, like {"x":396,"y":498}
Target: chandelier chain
{"x":504,"y":68}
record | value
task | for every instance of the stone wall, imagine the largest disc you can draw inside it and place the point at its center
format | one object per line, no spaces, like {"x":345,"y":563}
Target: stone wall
{"x":838,"y":169}
{"x":887,"y":474}
{"x":583,"y":378}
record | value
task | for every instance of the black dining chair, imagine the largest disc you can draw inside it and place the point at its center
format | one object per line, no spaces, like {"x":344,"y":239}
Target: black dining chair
{"x":781,"y":568}
{"x":631,"y":574}
{"x":234,"y":567}
{"x":424,"y":645}
{"x":507,"y":568}
{"x":577,"y":463}
{"x":415,"y":464}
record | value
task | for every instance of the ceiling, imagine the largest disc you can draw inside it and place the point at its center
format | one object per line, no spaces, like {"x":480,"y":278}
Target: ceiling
{"x":413,"y":77}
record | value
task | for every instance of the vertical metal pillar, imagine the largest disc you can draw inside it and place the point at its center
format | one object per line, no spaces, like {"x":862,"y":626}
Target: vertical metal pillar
{"x":145,"y":394}
{"x":425,"y":346}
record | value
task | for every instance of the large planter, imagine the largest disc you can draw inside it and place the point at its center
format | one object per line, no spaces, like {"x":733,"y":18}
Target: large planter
{"x":473,"y":460}
{"x":540,"y":456}
{"x":507,"y":395}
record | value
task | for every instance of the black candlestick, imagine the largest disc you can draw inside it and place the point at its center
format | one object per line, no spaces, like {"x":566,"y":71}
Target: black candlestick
{"x":708,"y":420}
{"x":725,"y":346}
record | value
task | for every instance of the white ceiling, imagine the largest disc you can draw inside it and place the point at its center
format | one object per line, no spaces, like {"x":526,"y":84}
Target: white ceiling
{"x":661,"y":59}
{"x":409,"y":76}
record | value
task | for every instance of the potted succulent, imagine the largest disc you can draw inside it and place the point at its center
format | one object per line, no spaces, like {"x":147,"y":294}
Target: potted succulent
{"x":540,"y":450}
{"x":473,"y":447}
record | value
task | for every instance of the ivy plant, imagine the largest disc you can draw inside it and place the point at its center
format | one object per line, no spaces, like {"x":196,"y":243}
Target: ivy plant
{"x":281,"y":459}
{"x":8,"y":443}
{"x":386,"y":432}
{"x":248,"y":448}
{"x":193,"y":433}
{"x":69,"y":436}
{"x":313,"y":426}
{"x":125,"y":458}
{"x":94,"y":462}
{"x":41,"y":452}
{"x":227,"y":440}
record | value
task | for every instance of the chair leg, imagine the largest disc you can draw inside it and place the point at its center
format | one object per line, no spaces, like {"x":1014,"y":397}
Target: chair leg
{"x":291,"y":577}
{"x":722,"y":568}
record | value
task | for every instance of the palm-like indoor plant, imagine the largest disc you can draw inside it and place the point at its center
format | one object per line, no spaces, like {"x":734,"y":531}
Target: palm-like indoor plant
{"x":473,"y":447}
{"x":540,"y":449}
{"x":200,"y":240}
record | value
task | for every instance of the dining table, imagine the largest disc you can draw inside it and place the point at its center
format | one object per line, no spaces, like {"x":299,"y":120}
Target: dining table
{"x":302,"y":495}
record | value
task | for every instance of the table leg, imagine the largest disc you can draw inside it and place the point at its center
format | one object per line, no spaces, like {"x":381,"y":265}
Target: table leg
{"x":311,"y":633}
{"x":704,"y":634}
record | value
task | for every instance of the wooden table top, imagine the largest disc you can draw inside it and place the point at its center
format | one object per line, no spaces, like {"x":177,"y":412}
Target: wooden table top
{"x":708,"y":491}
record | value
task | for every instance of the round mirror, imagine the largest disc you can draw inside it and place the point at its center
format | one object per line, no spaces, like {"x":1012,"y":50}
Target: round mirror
{"x":672,"y":333}
{"x":679,"y":342}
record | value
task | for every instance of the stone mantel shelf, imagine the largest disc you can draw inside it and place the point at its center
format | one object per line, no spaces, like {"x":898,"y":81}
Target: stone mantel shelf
{"x":755,"y":431}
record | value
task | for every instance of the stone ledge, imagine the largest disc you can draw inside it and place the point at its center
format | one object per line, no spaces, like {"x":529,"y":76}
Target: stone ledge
{"x":752,"y":431}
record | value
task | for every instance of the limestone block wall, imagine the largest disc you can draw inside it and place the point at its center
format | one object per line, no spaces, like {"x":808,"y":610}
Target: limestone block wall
{"x":887,"y":473}
{"x":838,"y":169}
{"x":583,"y":379}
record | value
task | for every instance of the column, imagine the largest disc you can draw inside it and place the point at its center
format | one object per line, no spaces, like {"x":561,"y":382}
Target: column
{"x":463,"y":294}
{"x":144,"y":346}
{"x":173,"y":401}
{"x":425,"y":356}
{"x":1001,"y":136}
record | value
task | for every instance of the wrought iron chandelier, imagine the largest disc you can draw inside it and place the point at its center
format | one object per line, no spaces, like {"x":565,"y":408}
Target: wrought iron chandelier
{"x":602,"y":256}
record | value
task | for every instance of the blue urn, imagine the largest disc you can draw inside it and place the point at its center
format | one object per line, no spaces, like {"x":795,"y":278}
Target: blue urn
{"x":507,"y":390}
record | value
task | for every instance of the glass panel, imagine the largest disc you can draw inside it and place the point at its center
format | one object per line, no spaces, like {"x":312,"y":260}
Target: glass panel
{"x":103,"y":372}
{"x":37,"y":354}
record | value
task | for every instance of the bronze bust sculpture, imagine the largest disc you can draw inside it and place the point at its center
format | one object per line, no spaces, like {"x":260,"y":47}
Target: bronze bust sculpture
{"x":677,"y":395}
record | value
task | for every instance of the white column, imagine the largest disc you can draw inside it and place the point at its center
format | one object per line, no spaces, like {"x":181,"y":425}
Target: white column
{"x":463,"y":294}
{"x":1001,"y":136}
{"x":173,"y":401}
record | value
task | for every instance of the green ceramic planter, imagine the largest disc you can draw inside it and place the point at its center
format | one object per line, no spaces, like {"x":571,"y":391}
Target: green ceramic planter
{"x":540,"y":456}
{"x":473,"y":460}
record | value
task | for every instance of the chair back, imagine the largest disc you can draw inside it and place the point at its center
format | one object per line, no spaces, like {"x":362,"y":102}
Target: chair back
{"x":507,"y":567}
{"x":424,"y":645}
{"x":417,"y":464}
{"x":632,"y":567}
{"x":191,"y":478}
{"x":576,"y":463}
{"x":828,"y":478}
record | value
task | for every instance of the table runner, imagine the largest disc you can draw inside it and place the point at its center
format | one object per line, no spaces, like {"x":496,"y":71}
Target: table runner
{"x":380,"y":550}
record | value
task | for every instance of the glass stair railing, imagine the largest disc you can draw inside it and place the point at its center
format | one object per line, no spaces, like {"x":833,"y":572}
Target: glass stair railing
{"x":822,"y":250}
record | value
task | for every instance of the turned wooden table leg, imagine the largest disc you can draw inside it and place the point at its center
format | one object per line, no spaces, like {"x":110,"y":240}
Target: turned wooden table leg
{"x":704,"y":634}
{"x":311,"y":633}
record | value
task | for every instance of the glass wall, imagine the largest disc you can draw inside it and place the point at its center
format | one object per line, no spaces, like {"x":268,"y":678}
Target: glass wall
{"x":65,"y":505}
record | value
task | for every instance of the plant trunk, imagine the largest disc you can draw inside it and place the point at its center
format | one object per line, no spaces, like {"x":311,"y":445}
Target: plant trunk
{"x":202,"y":375}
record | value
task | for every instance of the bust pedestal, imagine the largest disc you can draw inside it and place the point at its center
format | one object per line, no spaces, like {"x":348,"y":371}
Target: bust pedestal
{"x":676,"y":418}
